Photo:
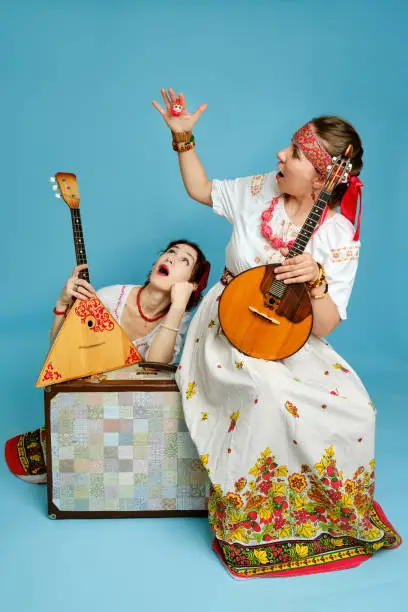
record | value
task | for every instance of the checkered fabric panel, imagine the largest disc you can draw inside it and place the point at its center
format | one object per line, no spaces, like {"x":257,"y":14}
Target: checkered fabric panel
{"x":124,"y":451}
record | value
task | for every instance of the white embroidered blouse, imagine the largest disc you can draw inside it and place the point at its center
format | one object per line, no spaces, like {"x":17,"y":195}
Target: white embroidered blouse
{"x":242,"y":202}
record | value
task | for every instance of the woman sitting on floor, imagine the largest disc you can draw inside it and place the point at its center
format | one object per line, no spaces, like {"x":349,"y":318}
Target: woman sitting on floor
{"x":154,"y":315}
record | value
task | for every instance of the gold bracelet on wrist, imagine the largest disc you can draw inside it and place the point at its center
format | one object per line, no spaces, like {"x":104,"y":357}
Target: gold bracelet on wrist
{"x":324,"y":294}
{"x":320,"y":280}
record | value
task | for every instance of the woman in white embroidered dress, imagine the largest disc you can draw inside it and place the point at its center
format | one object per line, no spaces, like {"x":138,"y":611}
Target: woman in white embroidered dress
{"x":154,"y":315}
{"x":288,"y":445}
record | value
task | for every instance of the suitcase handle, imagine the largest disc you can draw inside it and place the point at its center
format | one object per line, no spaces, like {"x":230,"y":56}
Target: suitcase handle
{"x":157,"y":365}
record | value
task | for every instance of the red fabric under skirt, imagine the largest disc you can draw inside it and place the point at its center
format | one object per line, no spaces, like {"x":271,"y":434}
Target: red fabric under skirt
{"x":290,"y":558}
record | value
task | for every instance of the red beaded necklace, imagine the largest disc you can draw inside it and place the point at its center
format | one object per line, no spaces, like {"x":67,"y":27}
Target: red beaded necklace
{"x":139,"y":307}
{"x":267,"y":232}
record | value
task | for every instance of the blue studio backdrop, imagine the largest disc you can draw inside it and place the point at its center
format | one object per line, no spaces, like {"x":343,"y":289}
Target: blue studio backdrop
{"x":77,"y":82}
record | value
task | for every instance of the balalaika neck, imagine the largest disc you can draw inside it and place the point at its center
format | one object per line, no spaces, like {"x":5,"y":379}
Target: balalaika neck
{"x":79,"y":242}
{"x":278,"y":287}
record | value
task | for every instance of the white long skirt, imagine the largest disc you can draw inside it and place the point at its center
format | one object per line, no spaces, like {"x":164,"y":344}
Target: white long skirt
{"x":289,"y":449}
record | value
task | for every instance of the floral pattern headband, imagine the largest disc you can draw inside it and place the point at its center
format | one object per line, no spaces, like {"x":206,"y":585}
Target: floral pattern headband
{"x":312,"y":148}
{"x":315,"y":152}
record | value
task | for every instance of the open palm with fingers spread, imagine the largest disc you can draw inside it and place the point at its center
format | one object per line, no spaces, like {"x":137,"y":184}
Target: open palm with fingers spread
{"x":185,"y":121}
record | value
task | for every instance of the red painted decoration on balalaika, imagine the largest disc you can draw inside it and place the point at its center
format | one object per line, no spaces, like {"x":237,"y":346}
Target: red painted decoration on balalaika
{"x":134,"y":356}
{"x":94,"y":314}
{"x":51,"y":374}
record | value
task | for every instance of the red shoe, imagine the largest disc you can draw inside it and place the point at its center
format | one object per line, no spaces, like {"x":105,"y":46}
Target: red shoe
{"x":25,"y":456}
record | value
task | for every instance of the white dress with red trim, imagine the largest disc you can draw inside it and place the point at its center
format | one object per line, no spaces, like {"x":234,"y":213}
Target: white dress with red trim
{"x":288,"y":445}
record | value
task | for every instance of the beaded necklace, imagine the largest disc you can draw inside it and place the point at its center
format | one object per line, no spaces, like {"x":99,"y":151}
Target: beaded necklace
{"x":267,"y":232}
{"x":142,"y":314}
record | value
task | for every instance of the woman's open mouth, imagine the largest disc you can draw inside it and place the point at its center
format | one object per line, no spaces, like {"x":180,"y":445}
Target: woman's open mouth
{"x":163,"y":270}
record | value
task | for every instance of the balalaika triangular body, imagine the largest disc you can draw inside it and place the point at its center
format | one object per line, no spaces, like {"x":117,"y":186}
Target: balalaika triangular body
{"x":89,"y":342}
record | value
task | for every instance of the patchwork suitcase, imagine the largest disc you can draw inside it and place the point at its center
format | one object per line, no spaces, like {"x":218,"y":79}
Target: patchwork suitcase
{"x":120,"y":448}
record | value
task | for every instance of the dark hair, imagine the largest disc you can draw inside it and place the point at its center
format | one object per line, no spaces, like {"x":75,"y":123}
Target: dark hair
{"x":198,"y":270}
{"x":336,"y":134}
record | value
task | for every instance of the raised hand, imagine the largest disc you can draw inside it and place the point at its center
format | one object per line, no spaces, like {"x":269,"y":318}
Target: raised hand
{"x":184,"y":122}
{"x":180,"y":294}
{"x":76,"y":287}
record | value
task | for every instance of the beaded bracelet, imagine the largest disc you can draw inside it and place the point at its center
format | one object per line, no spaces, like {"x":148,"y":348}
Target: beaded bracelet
{"x":181,"y":147}
{"x":61,"y":312}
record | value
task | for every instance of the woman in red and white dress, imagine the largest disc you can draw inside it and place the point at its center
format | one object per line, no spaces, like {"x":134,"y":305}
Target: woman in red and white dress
{"x":288,"y":445}
{"x":154,"y":315}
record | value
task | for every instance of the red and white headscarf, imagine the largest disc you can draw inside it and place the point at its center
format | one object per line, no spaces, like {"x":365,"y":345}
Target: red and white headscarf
{"x":314,"y":151}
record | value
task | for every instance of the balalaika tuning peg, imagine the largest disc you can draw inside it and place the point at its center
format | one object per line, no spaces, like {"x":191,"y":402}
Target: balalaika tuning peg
{"x":55,"y":187}
{"x":57,"y":195}
{"x":52,"y":179}
{"x":334,"y":159}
